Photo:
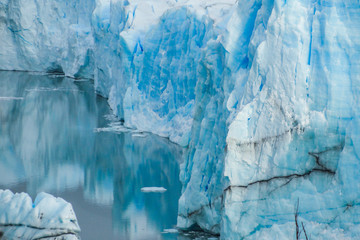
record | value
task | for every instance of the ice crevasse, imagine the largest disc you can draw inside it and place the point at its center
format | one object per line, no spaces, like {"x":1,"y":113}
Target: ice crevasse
{"x":264,"y":95}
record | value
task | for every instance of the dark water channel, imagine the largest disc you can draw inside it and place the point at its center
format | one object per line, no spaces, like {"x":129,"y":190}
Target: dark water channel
{"x":58,"y":136}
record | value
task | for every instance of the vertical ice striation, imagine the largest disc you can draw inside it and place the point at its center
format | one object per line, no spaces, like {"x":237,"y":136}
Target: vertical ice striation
{"x":264,"y":94}
{"x":293,"y":130}
{"x":201,"y":173}
{"x":147,"y":59}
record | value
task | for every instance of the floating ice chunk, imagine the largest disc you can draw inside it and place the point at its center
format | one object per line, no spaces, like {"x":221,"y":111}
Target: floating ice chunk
{"x":45,"y":89}
{"x":171,"y":230}
{"x":153,"y":189}
{"x":139,"y":135}
{"x":113,"y":128}
{"x":10,"y":98}
{"x":45,"y":218}
{"x":111,"y":117}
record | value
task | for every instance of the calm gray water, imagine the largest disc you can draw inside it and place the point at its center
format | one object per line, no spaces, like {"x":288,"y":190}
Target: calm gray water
{"x":54,"y":137}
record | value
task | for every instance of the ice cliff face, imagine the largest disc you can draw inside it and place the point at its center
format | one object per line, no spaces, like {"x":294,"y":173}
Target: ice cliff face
{"x":293,"y":135}
{"x":155,"y":49}
{"x":265,"y":94}
{"x":51,"y":36}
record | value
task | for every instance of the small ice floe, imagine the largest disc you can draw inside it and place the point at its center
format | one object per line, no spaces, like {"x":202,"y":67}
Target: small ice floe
{"x":81,"y":79}
{"x":139,"y":135}
{"x":117,"y":128}
{"x":171,"y":230}
{"x":45,"y":89}
{"x":111,"y":117}
{"x":153,"y":189}
{"x":11,"y":98}
{"x":47,"y":217}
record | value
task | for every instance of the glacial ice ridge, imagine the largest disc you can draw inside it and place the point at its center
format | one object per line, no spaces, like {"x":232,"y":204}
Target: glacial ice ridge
{"x":263,"y":93}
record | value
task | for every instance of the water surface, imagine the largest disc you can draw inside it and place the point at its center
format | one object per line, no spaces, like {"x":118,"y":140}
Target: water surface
{"x":56,"y":135}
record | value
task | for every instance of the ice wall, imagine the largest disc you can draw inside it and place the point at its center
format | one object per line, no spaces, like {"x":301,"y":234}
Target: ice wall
{"x":170,"y":57}
{"x":46,"y":36}
{"x":148,"y":56}
{"x":264,"y":94}
{"x":292,"y":136}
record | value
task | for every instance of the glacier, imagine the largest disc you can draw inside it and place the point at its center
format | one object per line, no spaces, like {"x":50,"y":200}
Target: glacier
{"x":263,"y":94}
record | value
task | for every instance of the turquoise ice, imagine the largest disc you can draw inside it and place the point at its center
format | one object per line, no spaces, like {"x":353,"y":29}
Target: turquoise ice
{"x":263,"y":94}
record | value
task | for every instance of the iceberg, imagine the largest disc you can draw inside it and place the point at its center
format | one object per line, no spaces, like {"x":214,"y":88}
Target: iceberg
{"x":45,"y":218}
{"x":264,"y":95}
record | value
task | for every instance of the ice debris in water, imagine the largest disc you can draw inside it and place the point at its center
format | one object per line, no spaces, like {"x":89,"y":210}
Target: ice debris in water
{"x":116,"y":127}
{"x":139,"y":135}
{"x":45,"y":218}
{"x":10,"y":98}
{"x":171,"y":230}
{"x":153,"y":189}
{"x":45,"y":89}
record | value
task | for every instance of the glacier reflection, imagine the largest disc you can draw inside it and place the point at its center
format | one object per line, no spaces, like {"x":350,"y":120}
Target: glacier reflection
{"x":48,"y":143}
